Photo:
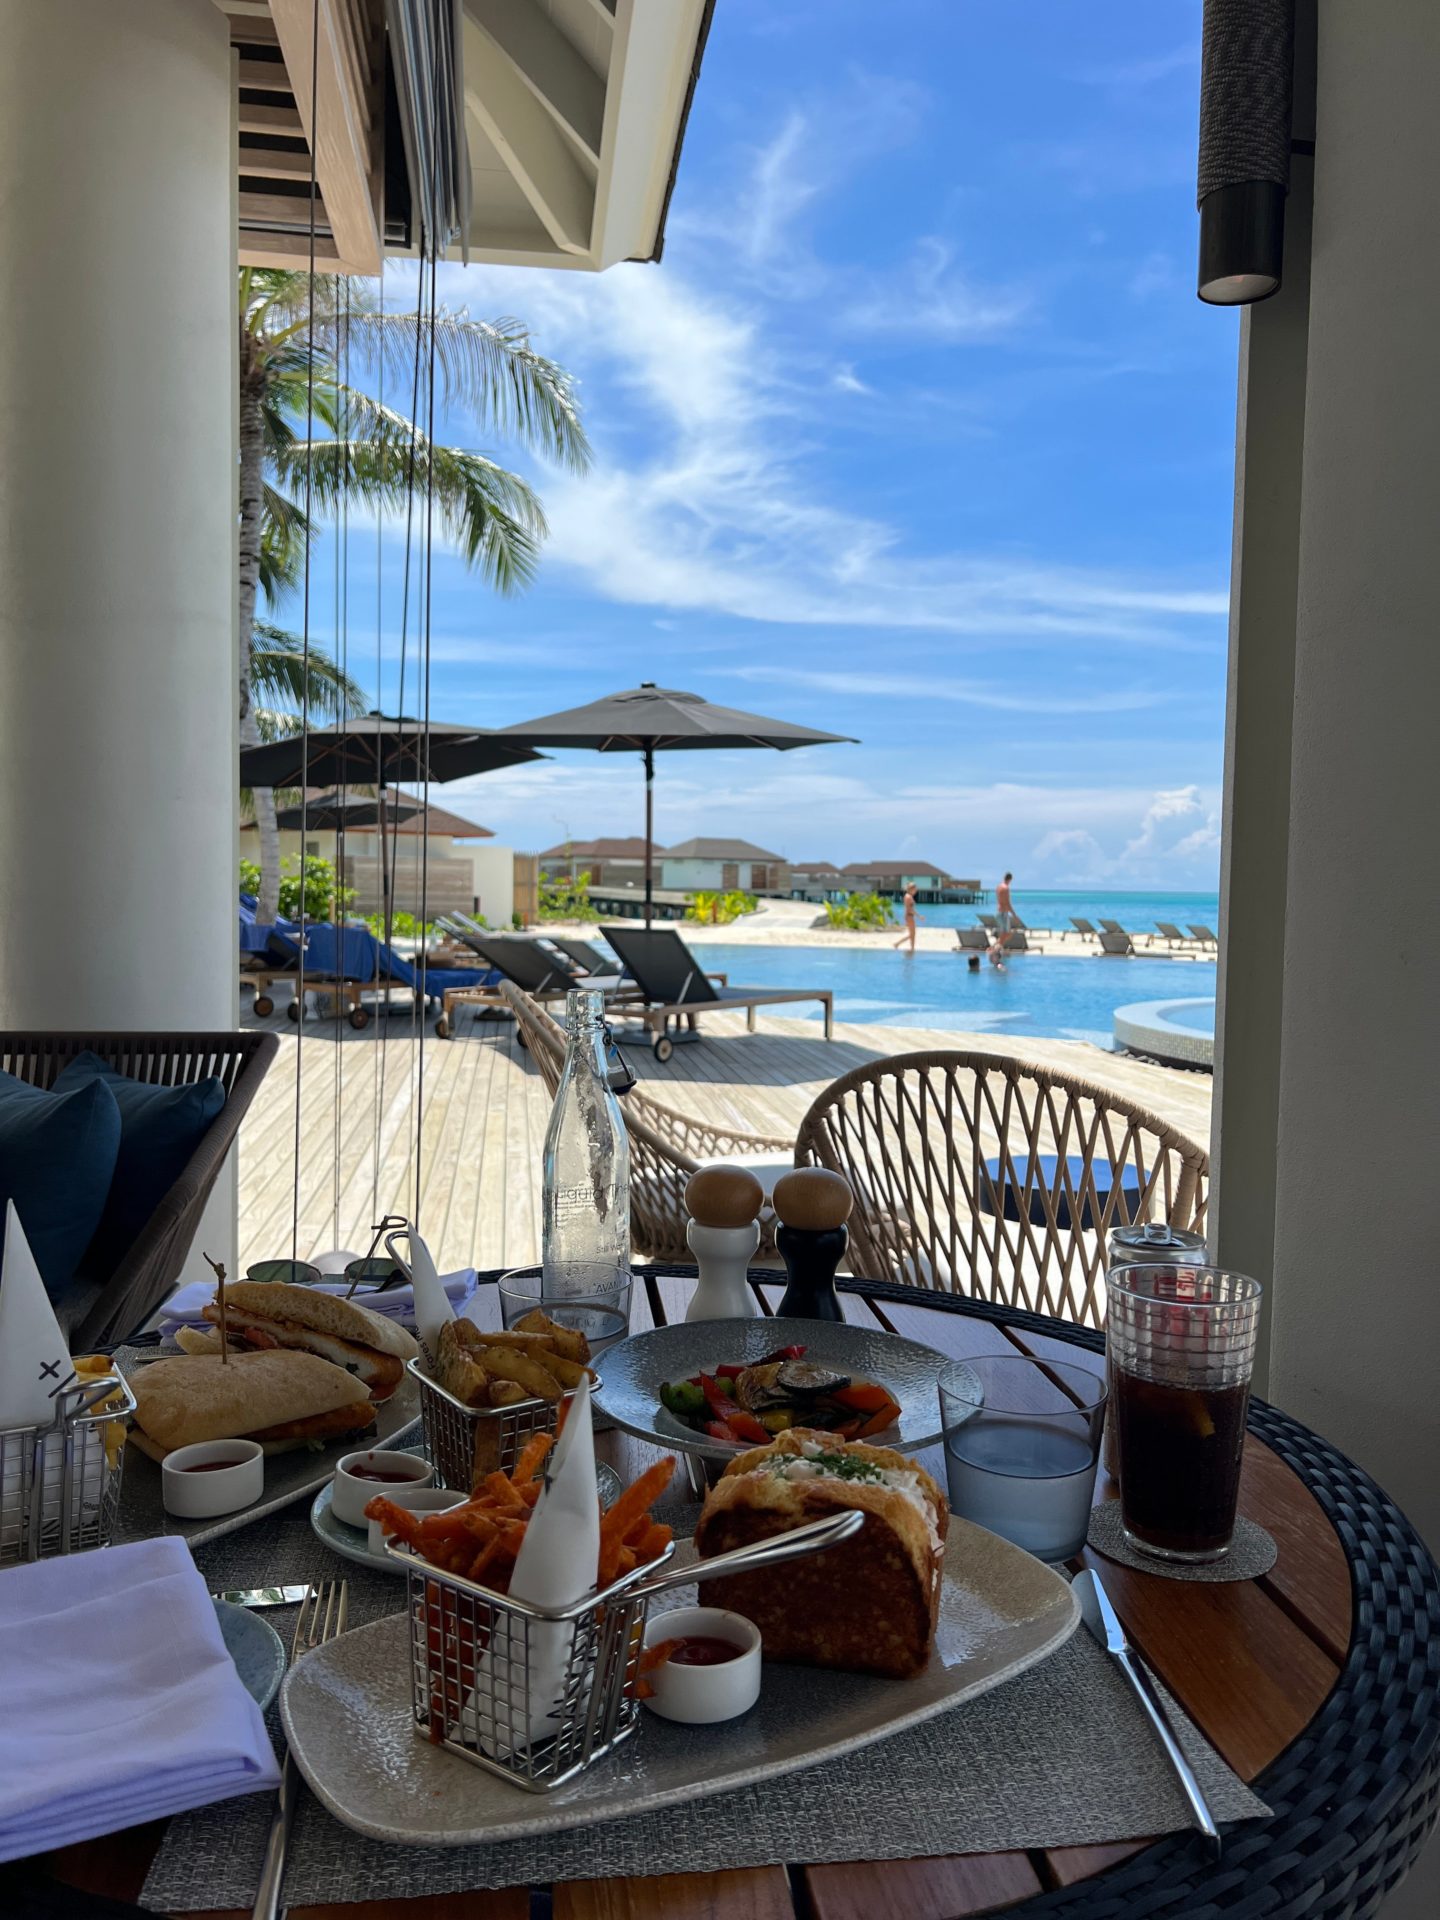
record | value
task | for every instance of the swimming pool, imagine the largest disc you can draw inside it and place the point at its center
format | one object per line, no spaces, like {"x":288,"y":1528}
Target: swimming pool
{"x":1063,"y":998}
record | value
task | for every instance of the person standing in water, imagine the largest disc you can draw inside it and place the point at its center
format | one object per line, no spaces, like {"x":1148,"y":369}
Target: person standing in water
{"x":910,"y":917}
{"x":1005,"y":914}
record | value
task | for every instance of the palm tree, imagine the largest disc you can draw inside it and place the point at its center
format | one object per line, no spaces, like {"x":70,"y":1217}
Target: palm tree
{"x":307,"y":430}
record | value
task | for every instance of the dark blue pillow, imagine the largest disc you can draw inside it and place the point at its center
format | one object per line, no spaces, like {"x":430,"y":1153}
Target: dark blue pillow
{"x":57,"y":1159}
{"x":160,"y":1127}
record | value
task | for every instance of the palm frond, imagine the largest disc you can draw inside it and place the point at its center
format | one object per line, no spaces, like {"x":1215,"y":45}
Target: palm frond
{"x":492,"y":513}
{"x":489,"y":367}
{"x":283,"y":531}
{"x":280,"y":672}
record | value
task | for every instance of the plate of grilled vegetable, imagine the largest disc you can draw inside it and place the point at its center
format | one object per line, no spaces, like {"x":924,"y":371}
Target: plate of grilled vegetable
{"x":715,"y":1387}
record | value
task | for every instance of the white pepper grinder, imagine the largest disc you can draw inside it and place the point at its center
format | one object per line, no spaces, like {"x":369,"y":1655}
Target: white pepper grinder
{"x":723,"y":1232}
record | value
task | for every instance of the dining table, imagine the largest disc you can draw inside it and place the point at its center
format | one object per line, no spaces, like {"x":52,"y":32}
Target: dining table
{"x":1318,"y":1683}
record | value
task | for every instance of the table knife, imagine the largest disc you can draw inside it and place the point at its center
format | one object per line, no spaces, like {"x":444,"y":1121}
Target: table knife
{"x":1104,"y":1624}
{"x":263,"y":1596}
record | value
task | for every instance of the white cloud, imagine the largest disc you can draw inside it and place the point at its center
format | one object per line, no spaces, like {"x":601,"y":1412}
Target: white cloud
{"x":928,"y":298}
{"x":970,"y":693}
{"x":846,"y":380}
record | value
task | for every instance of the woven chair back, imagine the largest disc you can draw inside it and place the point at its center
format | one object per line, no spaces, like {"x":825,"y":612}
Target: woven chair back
{"x":978,"y":1174}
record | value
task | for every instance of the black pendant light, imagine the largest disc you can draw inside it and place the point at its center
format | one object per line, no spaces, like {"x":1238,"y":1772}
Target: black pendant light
{"x":1246,"y":83}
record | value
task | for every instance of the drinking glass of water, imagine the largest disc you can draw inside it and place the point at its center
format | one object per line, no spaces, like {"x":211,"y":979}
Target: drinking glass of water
{"x":1021,"y":1439}
{"x":602,"y":1315}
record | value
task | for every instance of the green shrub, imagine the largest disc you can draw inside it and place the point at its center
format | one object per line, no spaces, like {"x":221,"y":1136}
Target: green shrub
{"x":323,"y":898}
{"x":564,"y":899}
{"x":404,"y":925}
{"x":860,"y":912}
{"x":719,"y":909}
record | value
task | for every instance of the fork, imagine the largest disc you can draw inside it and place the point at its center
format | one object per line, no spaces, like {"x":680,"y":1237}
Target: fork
{"x":321,"y":1618}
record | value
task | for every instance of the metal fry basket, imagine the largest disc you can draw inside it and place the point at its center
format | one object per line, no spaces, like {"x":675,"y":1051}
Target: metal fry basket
{"x":60,"y":1485}
{"x":477,"y":1661}
{"x":465,"y":1443}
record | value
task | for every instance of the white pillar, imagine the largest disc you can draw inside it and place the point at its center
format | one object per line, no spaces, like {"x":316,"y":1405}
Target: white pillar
{"x":117,"y":517}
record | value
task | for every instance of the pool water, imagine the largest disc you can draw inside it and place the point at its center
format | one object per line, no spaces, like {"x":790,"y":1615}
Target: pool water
{"x":1062,"y":998}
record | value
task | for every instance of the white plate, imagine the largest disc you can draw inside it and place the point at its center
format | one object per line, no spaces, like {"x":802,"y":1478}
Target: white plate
{"x":347,"y":1714}
{"x":635,"y":1369}
{"x":353,"y":1543}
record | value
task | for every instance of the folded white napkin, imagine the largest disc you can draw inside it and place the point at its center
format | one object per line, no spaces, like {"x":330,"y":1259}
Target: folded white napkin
{"x":557,"y":1566}
{"x":118,"y":1701}
{"x":186,"y":1307}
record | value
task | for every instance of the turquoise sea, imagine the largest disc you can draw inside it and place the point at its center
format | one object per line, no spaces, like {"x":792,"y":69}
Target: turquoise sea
{"x":1136,"y":911}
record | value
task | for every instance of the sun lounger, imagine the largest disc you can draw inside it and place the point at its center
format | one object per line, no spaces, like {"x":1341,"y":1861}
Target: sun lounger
{"x":1172,"y":935}
{"x":349,"y":962}
{"x":972,"y":939}
{"x":675,"y":987}
{"x":1113,"y":926}
{"x":1084,"y":928}
{"x":1206,"y":936}
{"x":589,"y":959}
{"x":990,"y":921}
{"x":1119,"y":943}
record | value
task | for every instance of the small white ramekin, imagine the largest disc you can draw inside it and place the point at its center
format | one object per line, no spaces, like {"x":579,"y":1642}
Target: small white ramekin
{"x":414,"y":1500}
{"x":348,"y":1500}
{"x":699,"y":1696}
{"x":201,"y":1496}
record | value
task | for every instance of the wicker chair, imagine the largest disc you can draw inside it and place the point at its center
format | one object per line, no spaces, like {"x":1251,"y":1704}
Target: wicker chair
{"x":944,"y":1151}
{"x":665,"y":1147}
{"x":120,"y":1302}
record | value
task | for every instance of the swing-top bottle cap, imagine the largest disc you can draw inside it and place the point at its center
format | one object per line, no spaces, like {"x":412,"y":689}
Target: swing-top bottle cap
{"x":813,"y":1199}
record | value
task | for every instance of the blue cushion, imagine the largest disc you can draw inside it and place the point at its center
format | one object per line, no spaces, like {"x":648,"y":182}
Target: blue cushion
{"x":160,"y":1127}
{"x":57,"y":1158}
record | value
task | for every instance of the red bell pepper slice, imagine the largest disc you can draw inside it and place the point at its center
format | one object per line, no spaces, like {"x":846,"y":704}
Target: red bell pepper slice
{"x":745,"y":1426}
{"x":718,"y":1401}
{"x":729,"y":1372}
{"x":863,"y":1397}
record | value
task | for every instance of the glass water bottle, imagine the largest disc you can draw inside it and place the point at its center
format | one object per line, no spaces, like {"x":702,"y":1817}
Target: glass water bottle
{"x":586,"y":1181}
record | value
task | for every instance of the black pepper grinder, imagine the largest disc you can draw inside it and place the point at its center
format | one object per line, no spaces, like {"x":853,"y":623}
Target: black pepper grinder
{"x":812,"y":1206}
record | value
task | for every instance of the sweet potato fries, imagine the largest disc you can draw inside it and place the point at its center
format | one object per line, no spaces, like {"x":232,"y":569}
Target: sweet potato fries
{"x":481,"y":1540}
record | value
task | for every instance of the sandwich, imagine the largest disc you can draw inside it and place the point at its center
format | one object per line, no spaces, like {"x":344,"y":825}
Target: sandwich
{"x":283,"y":1398}
{"x":868,"y":1605}
{"x":265,"y":1315}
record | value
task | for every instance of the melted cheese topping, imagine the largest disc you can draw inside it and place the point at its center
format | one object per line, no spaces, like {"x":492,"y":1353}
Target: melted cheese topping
{"x":816,"y":1462}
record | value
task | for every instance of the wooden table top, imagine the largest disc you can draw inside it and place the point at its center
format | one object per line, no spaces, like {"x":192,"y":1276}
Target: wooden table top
{"x":1252,"y":1662}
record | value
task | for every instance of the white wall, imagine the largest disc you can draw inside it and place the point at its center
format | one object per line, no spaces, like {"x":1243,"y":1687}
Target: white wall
{"x":494,"y":878}
{"x":117,"y":516}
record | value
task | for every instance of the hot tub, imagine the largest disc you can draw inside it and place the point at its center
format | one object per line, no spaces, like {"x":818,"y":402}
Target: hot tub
{"x":1180,"y":1033}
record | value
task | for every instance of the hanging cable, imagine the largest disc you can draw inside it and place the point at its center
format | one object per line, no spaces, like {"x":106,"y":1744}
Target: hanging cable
{"x":342,"y":630}
{"x":305,"y":645}
{"x":425,"y":722}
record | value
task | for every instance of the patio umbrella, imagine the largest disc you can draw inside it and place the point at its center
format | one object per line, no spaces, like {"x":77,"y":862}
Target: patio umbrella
{"x":352,"y":812}
{"x":371,"y":748}
{"x":650,"y":720}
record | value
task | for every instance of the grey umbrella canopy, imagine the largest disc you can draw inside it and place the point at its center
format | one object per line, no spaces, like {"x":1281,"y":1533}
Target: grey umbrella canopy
{"x":649,"y":720}
{"x":352,"y":811}
{"x":370,"y":749}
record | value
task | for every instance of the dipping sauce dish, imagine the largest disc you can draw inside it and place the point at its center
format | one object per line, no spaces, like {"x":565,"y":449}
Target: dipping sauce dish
{"x":211,"y":1478}
{"x":360,"y":1476}
{"x":703,"y":1685}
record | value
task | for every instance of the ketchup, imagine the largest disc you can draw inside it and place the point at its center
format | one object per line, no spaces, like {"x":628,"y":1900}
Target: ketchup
{"x":384,"y":1474}
{"x":213,"y":1466}
{"x":704,"y":1650}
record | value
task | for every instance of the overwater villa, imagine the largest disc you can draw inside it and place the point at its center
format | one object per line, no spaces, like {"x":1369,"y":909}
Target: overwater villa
{"x":646,"y":1421}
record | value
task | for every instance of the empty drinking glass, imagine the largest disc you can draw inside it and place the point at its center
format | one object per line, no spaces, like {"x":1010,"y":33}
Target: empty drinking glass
{"x":603,"y":1318}
{"x":1181,"y":1341}
{"x":1021,"y":1440}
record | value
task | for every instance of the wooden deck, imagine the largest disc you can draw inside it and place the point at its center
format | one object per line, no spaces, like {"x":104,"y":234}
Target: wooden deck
{"x":485,"y":1112}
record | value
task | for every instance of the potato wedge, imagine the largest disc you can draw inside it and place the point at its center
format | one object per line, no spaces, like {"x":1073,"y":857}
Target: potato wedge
{"x":511,"y":1363}
{"x":507,"y":1393}
{"x":568,"y":1372}
{"x":567,"y":1341}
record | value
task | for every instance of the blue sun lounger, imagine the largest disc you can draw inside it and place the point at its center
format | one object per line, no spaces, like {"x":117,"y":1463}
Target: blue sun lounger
{"x":349,"y":962}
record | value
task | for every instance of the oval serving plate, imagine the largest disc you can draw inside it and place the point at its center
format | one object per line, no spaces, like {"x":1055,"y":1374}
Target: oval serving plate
{"x":635,"y":1368}
{"x":347,"y":1714}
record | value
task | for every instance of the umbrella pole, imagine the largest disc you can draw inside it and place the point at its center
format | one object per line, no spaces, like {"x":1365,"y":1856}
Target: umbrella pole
{"x":649,"y":828}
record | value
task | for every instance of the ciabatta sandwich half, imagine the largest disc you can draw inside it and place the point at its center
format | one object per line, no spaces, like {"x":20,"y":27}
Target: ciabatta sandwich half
{"x":283,"y":1399}
{"x":268,"y":1315}
{"x":868,"y":1605}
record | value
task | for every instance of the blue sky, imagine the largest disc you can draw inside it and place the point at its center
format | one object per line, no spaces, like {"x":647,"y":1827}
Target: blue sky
{"x":918,"y":433}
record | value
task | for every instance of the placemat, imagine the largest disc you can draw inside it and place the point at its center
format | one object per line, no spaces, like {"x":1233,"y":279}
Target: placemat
{"x":1060,"y":1756}
{"x":1252,"y":1552}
